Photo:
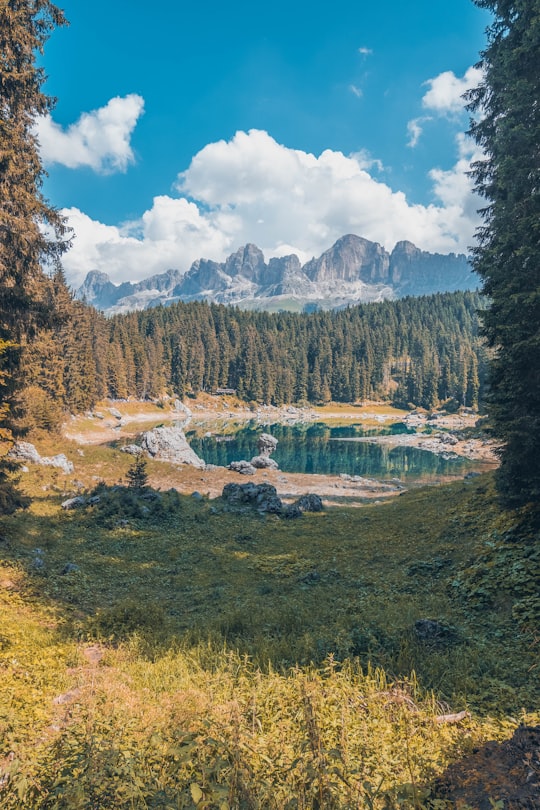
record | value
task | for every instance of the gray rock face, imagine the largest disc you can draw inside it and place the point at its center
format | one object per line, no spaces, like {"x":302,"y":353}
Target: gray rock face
{"x":353,"y":270}
{"x":350,"y":259}
{"x":170,"y":444}
{"x":266,"y":444}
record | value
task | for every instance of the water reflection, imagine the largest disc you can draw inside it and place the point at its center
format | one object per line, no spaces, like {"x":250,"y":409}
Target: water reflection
{"x":313,"y":448}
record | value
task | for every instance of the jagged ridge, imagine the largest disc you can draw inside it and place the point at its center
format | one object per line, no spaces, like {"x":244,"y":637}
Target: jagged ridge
{"x":353,"y":270}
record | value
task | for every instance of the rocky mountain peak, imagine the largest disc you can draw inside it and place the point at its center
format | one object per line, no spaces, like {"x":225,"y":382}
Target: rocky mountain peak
{"x":248,"y":261}
{"x":351,"y":258}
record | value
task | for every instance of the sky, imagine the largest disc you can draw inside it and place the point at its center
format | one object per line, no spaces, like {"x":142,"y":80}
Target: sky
{"x":186,"y":130}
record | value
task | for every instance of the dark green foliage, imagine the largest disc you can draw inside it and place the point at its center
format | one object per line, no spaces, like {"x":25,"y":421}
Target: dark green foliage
{"x":417,"y":350}
{"x":31,"y":232}
{"x":508,"y":253}
{"x":137,"y":475}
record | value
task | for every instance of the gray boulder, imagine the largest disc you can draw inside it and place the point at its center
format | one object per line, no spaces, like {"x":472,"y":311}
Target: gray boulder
{"x":115,"y":412}
{"x":170,"y":444}
{"x":309,"y":503}
{"x":263,"y":497}
{"x":132,"y":449}
{"x":24,"y":451}
{"x":266,"y":444}
{"x":264,"y":463}
{"x":242,"y":467}
{"x":181,"y":408}
{"x":59,"y":461}
{"x":74,"y":503}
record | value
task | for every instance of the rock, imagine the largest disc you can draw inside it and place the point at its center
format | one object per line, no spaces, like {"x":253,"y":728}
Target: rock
{"x":132,"y":449}
{"x":242,"y":467}
{"x":170,"y":444}
{"x":263,"y":497}
{"x":69,"y":568}
{"x":179,"y":406}
{"x":95,"y":499}
{"x":309,"y":503}
{"x":115,"y":412}
{"x":264,"y":463}
{"x":59,"y":461}
{"x":24,"y":451}
{"x":196,"y":496}
{"x":74,"y":503}
{"x":292,"y":512}
{"x":266,"y":444}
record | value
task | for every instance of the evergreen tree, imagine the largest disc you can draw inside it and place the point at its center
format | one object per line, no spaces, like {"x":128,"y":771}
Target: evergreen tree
{"x":31,"y":232}
{"x":507,"y":127}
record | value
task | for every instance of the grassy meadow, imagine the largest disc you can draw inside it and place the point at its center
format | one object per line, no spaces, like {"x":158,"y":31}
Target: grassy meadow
{"x":166,"y":652}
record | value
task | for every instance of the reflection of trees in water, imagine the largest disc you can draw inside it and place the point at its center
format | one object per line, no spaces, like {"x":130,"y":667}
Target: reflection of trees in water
{"x":314,"y":448}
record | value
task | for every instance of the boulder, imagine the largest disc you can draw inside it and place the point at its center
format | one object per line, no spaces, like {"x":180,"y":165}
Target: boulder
{"x":59,"y":461}
{"x":309,"y":503}
{"x":132,"y":449}
{"x":115,"y":412}
{"x":263,"y":497}
{"x":170,"y":444}
{"x":181,"y":408}
{"x":264,"y":463}
{"x":74,"y":503}
{"x":24,"y":451}
{"x":266,"y":444}
{"x":242,"y":467}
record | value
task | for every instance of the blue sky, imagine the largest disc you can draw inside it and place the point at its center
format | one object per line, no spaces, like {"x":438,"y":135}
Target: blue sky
{"x":185,"y":130}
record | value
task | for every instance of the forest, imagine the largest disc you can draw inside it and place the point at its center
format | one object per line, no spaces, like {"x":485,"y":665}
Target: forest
{"x":415,"y":351}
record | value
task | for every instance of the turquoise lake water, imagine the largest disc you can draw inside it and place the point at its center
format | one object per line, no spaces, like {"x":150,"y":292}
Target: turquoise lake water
{"x":316,"y":448}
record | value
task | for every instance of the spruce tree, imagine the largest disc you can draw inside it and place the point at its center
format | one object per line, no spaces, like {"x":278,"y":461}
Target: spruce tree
{"x":31,"y":232}
{"x":507,"y":257}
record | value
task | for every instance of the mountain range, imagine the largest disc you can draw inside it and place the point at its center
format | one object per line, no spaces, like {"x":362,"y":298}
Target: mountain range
{"x":354,"y":270}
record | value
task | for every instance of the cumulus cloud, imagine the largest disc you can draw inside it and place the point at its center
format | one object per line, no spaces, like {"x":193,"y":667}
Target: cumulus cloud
{"x":415,"y":129}
{"x":99,"y":139}
{"x":445,"y":94}
{"x":253,"y":189}
{"x":365,"y":51}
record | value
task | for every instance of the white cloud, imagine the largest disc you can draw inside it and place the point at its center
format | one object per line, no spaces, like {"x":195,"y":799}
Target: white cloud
{"x":356,"y":91}
{"x":415,"y":129}
{"x":253,"y":189}
{"x":100,"y":139}
{"x":445,"y":94}
{"x":365,"y":51}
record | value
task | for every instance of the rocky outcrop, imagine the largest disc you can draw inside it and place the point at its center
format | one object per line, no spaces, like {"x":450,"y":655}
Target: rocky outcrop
{"x":242,"y":467}
{"x":350,"y":259}
{"x":170,"y":444}
{"x":353,"y":270}
{"x":26,"y":452}
{"x":266,"y":444}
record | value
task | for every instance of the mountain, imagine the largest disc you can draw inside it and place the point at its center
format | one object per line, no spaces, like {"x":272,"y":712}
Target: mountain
{"x":354,"y":270}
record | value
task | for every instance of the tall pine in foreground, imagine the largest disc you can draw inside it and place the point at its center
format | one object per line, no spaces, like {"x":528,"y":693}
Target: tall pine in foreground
{"x":31,"y":232}
{"x":507,"y":127}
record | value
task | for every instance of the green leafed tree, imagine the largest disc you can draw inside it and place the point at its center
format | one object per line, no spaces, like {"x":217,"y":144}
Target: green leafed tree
{"x":506,"y":125}
{"x":31,"y":231}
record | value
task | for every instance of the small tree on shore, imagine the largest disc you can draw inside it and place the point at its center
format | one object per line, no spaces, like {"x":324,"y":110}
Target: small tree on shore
{"x":137,"y":475}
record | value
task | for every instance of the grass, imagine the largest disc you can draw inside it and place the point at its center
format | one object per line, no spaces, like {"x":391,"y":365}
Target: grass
{"x":251,"y":662}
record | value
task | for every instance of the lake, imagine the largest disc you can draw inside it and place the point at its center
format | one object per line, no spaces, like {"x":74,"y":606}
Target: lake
{"x":316,"y":448}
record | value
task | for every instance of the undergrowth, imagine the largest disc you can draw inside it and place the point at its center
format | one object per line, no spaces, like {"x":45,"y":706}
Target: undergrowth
{"x":244,"y":661}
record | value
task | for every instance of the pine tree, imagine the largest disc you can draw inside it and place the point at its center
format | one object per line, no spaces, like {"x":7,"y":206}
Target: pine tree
{"x":507,"y":128}
{"x":31,"y":232}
